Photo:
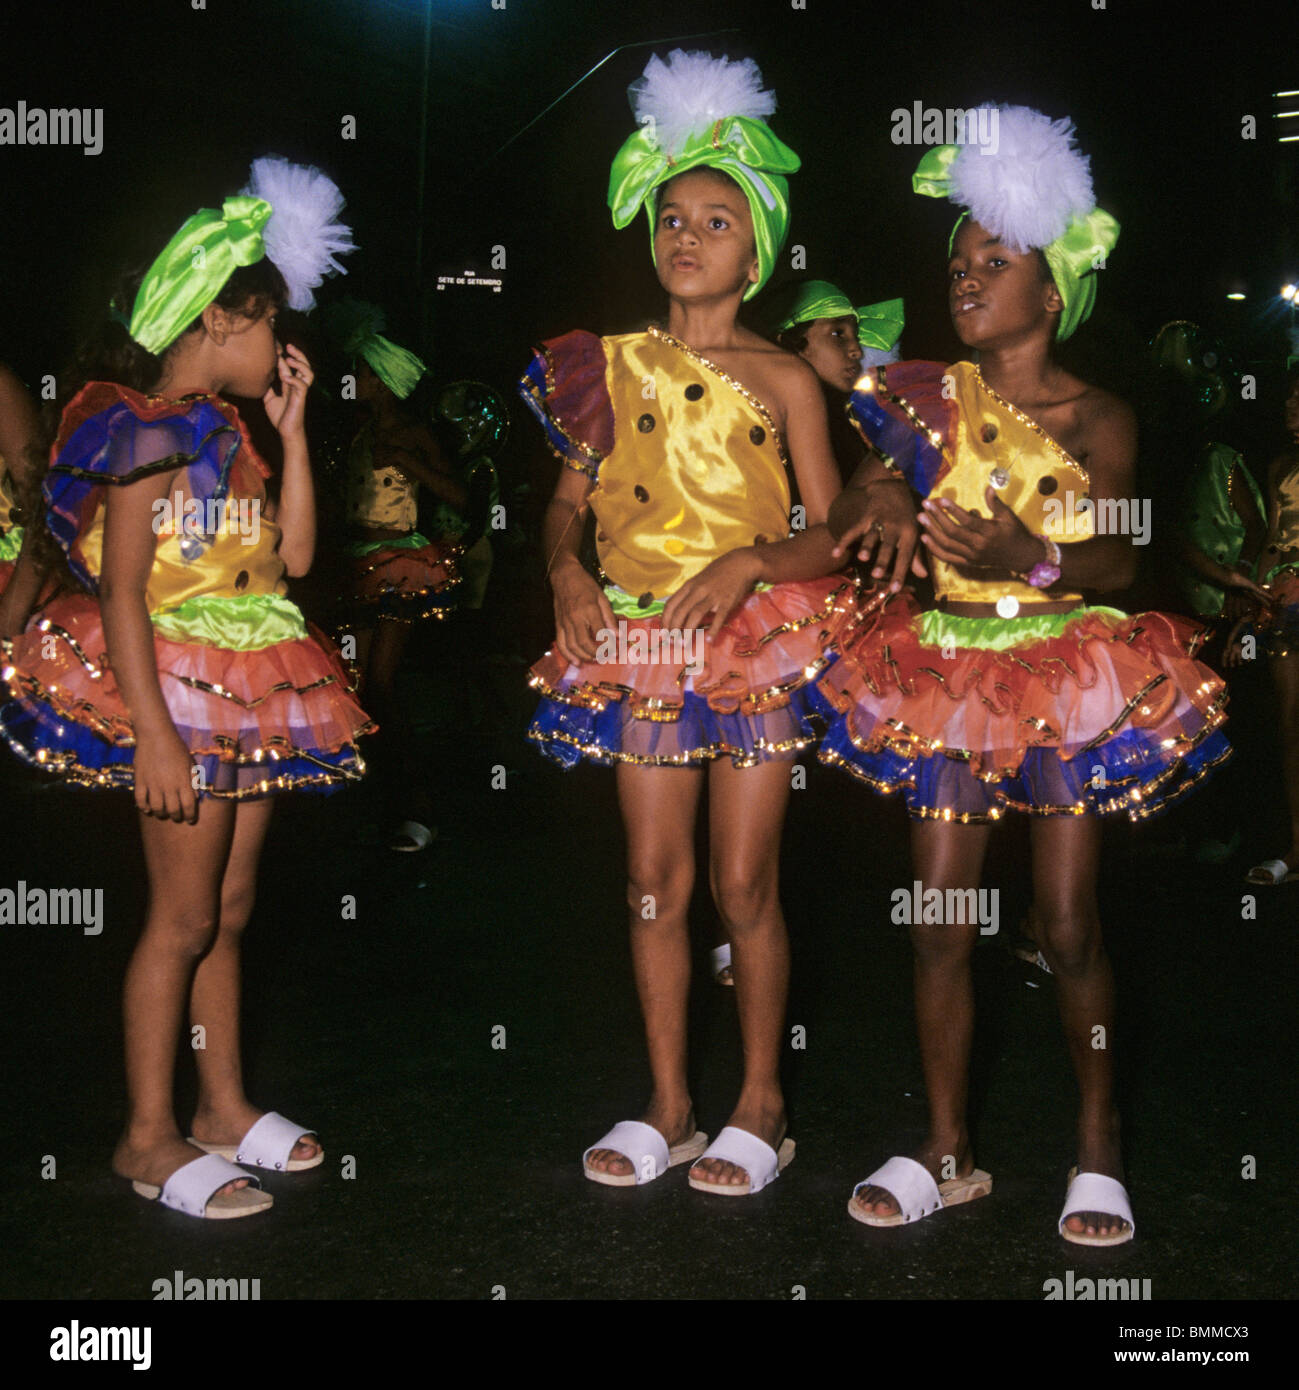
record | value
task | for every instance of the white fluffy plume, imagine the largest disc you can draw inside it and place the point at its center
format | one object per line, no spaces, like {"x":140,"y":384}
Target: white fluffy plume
{"x":878,"y":357}
{"x":1029,"y":191}
{"x":692,"y":91}
{"x":303,"y":234}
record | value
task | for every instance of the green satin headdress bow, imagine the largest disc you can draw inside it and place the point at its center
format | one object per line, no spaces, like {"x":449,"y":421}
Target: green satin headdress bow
{"x":190,"y":270}
{"x":878,"y":325}
{"x":740,"y":146}
{"x":1073,"y":257}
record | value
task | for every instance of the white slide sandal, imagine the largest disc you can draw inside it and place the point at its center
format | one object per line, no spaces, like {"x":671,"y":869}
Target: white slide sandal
{"x":645,"y":1149}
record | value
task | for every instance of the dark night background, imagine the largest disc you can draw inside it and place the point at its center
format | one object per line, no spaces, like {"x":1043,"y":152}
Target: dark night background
{"x":1158,"y":92}
{"x":477,"y":931}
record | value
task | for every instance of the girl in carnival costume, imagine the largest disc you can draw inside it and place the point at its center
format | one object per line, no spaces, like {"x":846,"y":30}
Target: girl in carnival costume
{"x":1013,"y":694}
{"x":396,"y":576}
{"x":816,"y":320}
{"x":679,"y":440}
{"x":1277,"y":624}
{"x":200,"y":687}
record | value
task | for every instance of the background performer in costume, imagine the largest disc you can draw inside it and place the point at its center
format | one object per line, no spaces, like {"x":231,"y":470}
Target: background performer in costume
{"x":1277,"y":624}
{"x":396,"y":576}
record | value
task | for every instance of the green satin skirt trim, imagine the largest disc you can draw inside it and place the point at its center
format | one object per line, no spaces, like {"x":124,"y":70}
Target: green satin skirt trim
{"x":941,"y":629}
{"x":11,"y":542}
{"x":244,"y":623}
{"x":414,"y":541}
{"x":1267,"y":578}
{"x":627,"y":605}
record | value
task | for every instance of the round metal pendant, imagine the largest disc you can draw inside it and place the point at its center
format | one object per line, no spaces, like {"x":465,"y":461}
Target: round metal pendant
{"x":1007,"y":606}
{"x":999,"y":478}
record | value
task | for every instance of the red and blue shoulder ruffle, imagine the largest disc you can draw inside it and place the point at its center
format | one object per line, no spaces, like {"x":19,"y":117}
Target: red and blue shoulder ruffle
{"x":111,"y":435}
{"x":566,"y":389}
{"x":903,"y":412}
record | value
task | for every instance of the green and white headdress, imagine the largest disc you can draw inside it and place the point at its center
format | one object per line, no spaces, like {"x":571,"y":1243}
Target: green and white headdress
{"x":696,"y":111}
{"x":287,"y":212}
{"x":1032,"y":188}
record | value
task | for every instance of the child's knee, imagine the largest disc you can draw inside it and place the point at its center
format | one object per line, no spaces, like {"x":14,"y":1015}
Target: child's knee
{"x":943,"y":944}
{"x":188,"y":931}
{"x":1070,"y":938}
{"x":237,"y":906}
{"x":659,"y":888}
{"x":743,"y":900}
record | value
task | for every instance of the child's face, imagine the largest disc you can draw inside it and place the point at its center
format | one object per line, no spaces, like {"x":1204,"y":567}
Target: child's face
{"x":995,"y":293}
{"x":251,"y":350}
{"x":703,"y":239}
{"x":833,"y":351}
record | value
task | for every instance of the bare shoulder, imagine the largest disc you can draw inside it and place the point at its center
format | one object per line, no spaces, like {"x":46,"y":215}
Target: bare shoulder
{"x":1105,"y":409}
{"x":1106,"y":427}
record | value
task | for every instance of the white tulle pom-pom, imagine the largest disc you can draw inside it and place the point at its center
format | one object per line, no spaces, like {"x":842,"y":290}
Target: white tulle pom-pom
{"x":692,"y":91}
{"x":878,"y":357}
{"x":303,"y":235}
{"x":1032,"y":187}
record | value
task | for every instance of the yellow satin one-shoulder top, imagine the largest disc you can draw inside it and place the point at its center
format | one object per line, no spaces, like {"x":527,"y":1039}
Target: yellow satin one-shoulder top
{"x":697,"y":468}
{"x":383,"y":497}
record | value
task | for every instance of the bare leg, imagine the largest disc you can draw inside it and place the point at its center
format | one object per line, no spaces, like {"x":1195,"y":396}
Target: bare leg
{"x":659,"y":805}
{"x":224,"y":1114}
{"x":746,"y":815}
{"x":1066,"y":857}
{"x":185,"y":865}
{"x":945,"y":855}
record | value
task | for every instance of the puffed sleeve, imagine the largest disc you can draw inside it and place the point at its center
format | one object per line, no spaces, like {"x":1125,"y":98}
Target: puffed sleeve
{"x":898,"y":409}
{"x":565,"y":388}
{"x":110,"y":436}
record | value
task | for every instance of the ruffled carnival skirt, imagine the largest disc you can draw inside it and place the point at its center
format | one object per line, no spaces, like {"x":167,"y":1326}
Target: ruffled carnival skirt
{"x":672,"y":698}
{"x":274,"y":713}
{"x":1089,"y":711}
{"x":409,"y":578}
{"x":1278,"y":633}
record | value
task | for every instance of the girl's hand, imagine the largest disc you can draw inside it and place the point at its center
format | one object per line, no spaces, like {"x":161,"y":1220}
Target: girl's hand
{"x":882,"y":520}
{"x":286,"y":410}
{"x":581,"y":612}
{"x":164,"y":777}
{"x":964,"y":538}
{"x":716,"y":591}
{"x":1240,"y":584}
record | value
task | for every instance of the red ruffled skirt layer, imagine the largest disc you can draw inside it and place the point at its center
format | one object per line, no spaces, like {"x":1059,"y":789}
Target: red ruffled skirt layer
{"x":1279,"y":628}
{"x":404,"y":582}
{"x":255,"y":722}
{"x":676,"y":698}
{"x":1114,"y":714}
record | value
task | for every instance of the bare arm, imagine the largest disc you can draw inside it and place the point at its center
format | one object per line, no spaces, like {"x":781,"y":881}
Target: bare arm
{"x":19,"y":430}
{"x":163,"y":767}
{"x":296,"y":514}
{"x":415,"y":454}
{"x":23,"y":588}
{"x":581,"y":608}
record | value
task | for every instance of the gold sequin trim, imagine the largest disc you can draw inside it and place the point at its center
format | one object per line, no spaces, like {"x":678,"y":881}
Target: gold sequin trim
{"x":656,"y":332}
{"x":1063,"y":454}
